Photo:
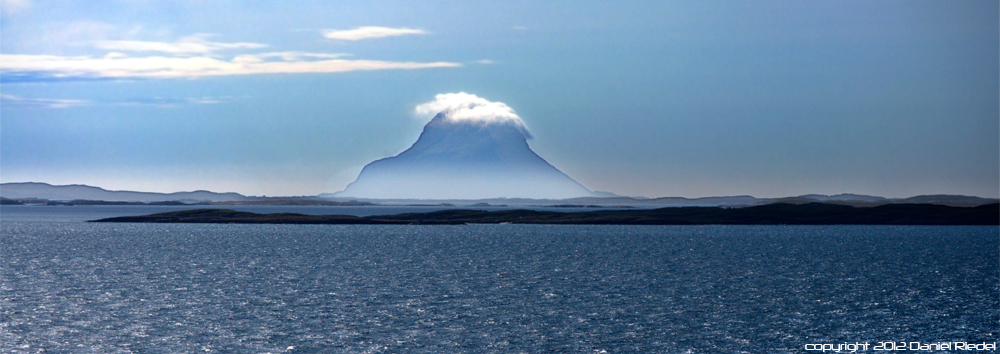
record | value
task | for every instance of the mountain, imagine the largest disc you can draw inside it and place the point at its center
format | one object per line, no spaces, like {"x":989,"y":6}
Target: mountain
{"x":78,"y":191}
{"x":465,"y":159}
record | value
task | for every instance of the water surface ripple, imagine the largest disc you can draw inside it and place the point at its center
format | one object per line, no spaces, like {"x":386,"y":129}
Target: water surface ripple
{"x":146,"y":288}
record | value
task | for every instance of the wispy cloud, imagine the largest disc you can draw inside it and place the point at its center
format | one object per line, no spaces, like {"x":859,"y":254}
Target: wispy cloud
{"x":117,"y":65}
{"x":35,"y":102}
{"x":189,"y":45}
{"x":167,"y":101}
{"x":294,"y":56}
{"x":369,"y":32}
{"x":18,"y":101}
{"x":485,"y":62}
{"x":190,"y":57}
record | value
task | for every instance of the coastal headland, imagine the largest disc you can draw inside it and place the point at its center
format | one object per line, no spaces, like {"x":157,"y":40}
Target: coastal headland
{"x":771,"y":214}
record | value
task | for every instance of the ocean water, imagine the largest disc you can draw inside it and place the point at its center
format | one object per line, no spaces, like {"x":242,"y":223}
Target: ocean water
{"x":72,"y":287}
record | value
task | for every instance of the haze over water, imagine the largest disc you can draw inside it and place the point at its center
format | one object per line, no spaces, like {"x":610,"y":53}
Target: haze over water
{"x":80,"y":287}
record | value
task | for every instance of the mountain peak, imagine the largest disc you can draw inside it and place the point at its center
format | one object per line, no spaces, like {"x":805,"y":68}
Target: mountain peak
{"x":469,"y":150}
{"x":464,"y":107}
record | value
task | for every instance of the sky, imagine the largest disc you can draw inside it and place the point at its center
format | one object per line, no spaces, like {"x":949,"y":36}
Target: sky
{"x":637,"y":98}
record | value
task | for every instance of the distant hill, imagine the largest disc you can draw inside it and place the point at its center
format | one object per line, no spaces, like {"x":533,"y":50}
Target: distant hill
{"x":32,"y":192}
{"x":28,"y":190}
{"x":870,"y":201}
{"x":726,"y":201}
{"x":946,"y":199}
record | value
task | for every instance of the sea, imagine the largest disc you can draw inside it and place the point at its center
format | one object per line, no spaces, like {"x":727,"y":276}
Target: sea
{"x":68,"y":286}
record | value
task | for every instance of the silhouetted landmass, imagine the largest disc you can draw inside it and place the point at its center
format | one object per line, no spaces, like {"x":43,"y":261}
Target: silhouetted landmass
{"x":304,"y":202}
{"x":587,"y":206}
{"x":105,"y":202}
{"x":43,"y":193}
{"x":772,"y":214}
{"x":5,"y":201}
{"x":724,"y":201}
{"x":301,"y":202}
{"x":226,"y":216}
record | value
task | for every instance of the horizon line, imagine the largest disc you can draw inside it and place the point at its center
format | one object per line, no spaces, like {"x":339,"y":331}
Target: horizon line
{"x":320,"y":195}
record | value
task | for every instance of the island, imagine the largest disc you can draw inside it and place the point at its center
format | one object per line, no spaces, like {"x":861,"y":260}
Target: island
{"x":770,"y":214}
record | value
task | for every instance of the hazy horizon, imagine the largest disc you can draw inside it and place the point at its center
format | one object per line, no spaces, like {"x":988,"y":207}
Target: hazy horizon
{"x":767,"y":99}
{"x":332,"y":195}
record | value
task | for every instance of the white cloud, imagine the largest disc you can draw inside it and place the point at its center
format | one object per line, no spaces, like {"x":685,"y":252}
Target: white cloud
{"x":35,"y":102}
{"x":204,"y":100}
{"x":485,"y":62}
{"x":292,"y":56}
{"x":118,"y":65}
{"x":467,"y":107}
{"x":369,"y":32}
{"x":189,"y":57}
{"x":189,"y":45}
{"x":166,"y":101}
{"x":18,"y":101}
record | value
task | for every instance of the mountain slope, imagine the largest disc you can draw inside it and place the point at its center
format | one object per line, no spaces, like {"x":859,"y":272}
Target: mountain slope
{"x":460,"y":159}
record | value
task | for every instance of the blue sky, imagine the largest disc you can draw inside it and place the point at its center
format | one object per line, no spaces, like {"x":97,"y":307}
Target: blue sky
{"x":762,"y":98}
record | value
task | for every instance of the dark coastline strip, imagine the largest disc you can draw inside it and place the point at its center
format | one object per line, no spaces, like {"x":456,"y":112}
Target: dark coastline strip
{"x":771,"y":214}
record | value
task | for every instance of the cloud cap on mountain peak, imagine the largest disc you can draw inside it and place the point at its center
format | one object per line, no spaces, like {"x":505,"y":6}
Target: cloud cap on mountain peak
{"x":464,"y":107}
